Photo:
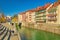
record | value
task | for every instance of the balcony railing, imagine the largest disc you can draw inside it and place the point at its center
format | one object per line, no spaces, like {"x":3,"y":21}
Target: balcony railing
{"x":52,"y":19}
{"x":40,"y":18}
{"x":42,"y":21}
{"x":50,"y":15}
{"x":41,"y":15}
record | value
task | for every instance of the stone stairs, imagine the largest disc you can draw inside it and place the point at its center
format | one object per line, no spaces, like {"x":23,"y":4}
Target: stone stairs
{"x":6,"y":34}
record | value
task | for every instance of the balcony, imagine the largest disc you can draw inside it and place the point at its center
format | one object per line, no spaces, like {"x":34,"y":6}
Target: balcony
{"x":41,"y":18}
{"x":51,"y":15}
{"x":41,"y":21}
{"x":52,"y":19}
{"x":41,"y":15}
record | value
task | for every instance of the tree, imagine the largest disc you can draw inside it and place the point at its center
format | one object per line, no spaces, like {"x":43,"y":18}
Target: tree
{"x":15,"y":18}
{"x":2,"y":18}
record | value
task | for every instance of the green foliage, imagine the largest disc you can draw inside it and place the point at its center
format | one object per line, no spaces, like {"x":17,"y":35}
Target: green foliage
{"x":52,"y":10}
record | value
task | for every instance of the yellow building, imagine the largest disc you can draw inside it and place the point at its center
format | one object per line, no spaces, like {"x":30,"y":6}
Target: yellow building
{"x":22,"y":18}
{"x":58,"y":14}
{"x":53,"y":13}
{"x":19,"y":17}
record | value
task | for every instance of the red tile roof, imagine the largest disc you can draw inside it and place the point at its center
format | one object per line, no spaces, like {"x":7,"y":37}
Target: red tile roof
{"x":54,"y":5}
{"x":22,"y":13}
{"x":39,"y":8}
{"x":33,"y":10}
{"x":42,"y":7}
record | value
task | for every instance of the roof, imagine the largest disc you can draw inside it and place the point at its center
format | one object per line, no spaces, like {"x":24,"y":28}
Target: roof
{"x":22,"y":13}
{"x":39,"y":8}
{"x":43,"y":7}
{"x":33,"y":10}
{"x":54,"y":5}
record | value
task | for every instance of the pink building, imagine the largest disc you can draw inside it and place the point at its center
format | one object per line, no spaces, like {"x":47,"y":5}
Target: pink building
{"x":22,"y":17}
{"x":30,"y":16}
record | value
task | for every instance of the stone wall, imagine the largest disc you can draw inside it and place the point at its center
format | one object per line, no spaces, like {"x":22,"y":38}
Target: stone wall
{"x":54,"y":28}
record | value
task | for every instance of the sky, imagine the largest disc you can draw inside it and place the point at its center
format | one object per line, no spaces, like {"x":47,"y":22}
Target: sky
{"x":11,"y":7}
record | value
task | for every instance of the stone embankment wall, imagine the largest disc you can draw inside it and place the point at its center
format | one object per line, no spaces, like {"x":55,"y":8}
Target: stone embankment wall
{"x":54,"y":28}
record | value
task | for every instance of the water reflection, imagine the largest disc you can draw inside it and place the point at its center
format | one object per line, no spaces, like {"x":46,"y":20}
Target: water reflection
{"x":31,"y":34}
{"x":26,"y":34}
{"x":23,"y":36}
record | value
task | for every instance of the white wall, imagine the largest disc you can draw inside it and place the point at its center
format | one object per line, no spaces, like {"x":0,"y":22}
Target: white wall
{"x":58,"y":14}
{"x":19,"y":18}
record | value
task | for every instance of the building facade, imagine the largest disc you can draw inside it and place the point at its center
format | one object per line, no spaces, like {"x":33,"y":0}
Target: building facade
{"x":41,"y":14}
{"x":49,"y":13}
{"x":52,"y":14}
{"x":30,"y":16}
{"x":8,"y":18}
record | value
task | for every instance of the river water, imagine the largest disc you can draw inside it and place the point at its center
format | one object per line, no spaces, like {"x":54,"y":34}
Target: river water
{"x":32,"y":34}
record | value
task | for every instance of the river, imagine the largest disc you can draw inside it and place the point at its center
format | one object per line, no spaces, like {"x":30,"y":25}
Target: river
{"x":33,"y":34}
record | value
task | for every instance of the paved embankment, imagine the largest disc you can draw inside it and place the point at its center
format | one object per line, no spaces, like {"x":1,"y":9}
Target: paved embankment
{"x":9,"y":26}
